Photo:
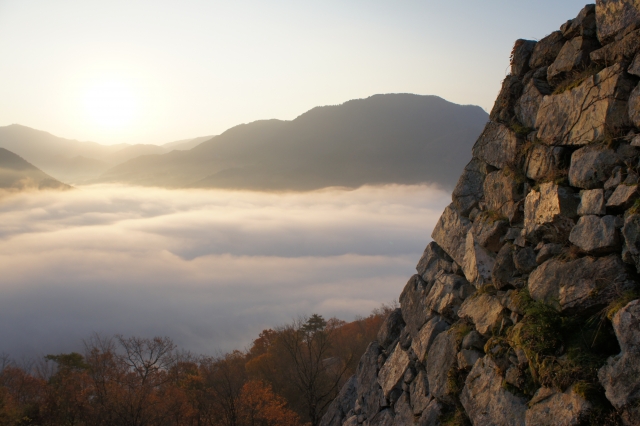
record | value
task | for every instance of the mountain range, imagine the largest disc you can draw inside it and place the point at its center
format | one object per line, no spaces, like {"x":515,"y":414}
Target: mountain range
{"x":383,"y":139}
{"x":18,"y":174}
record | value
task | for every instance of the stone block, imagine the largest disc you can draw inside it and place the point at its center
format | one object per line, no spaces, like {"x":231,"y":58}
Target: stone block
{"x":592,"y":202}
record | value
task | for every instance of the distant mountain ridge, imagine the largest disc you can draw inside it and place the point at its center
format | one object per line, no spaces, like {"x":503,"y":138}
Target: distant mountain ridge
{"x":392,"y":138}
{"x":76,"y":161}
{"x":18,"y":174}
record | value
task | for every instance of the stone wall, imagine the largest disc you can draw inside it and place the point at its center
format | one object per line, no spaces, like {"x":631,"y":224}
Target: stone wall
{"x":523,"y":310}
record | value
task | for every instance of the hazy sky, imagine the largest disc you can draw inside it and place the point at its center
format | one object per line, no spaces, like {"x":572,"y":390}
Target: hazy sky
{"x":155,"y":71}
{"x":210,"y":269}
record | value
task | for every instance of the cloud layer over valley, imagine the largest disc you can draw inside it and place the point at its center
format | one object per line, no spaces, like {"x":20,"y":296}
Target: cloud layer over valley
{"x":208,"y":268}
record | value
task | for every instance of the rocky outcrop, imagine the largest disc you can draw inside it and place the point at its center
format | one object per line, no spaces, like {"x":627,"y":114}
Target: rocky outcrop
{"x":510,"y":317}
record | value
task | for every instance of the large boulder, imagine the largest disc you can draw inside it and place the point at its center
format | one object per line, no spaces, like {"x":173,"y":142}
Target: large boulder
{"x":390,"y":329}
{"x":584,"y":25}
{"x":369,"y":391}
{"x":559,"y":409}
{"x":487,"y":401}
{"x":545,"y":162}
{"x":485,"y":311}
{"x":419,"y":393}
{"x":585,"y":113}
{"x":478,"y":262}
{"x":520,"y":55}
{"x":546,"y":50}
{"x":528,"y":104}
{"x":623,"y":198}
{"x":450,"y":233}
{"x":470,"y":188}
{"x":591,"y":166}
{"x":579,"y":285}
{"x":412,"y":304}
{"x":592,"y":202}
{"x":502,"y":192}
{"x":383,"y":418}
{"x":622,"y":50}
{"x":548,"y":212}
{"x":441,"y":359}
{"x":595,"y":234}
{"x":489,"y":231}
{"x":431,"y":415}
{"x":392,"y":372}
{"x":504,"y":269}
{"x":620,"y":377}
{"x":573,"y":55}
{"x":497,"y":146}
{"x":504,"y":108}
{"x":342,"y":405}
{"x":447,"y":294}
{"x":614,"y":16}
{"x":433,"y":260}
{"x":423,"y":341}
{"x":634,"y":106}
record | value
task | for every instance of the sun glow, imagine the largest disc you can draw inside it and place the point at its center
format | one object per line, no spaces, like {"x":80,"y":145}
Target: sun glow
{"x":111,"y":103}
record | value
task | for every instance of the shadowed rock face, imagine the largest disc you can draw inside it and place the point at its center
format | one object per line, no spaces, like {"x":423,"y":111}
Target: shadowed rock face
{"x":542,"y":237}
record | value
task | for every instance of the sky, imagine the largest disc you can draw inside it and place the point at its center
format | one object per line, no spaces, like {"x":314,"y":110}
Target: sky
{"x":209,"y":269}
{"x":140,"y":71}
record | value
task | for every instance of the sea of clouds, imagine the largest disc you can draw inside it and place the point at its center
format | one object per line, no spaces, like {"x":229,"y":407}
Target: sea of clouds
{"x":208,"y":268}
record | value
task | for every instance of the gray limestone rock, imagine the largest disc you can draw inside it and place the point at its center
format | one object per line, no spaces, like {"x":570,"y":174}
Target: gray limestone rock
{"x":392,"y":372}
{"x":502,"y":193}
{"x":595,"y":234}
{"x":403,"y":411}
{"x":585,"y":113}
{"x":614,"y":180}
{"x":390,"y":329}
{"x":573,"y":55}
{"x":489,"y":232}
{"x":441,"y":358}
{"x":431,"y":415}
{"x":546,"y":50}
{"x":485,"y":311}
{"x":545,"y":162}
{"x":634,"y":68}
{"x":548,"y":213}
{"x":592,"y":202}
{"x":450,"y":233}
{"x":527,"y":106}
{"x":369,"y":391}
{"x":547,"y":251}
{"x":583,"y":25}
{"x":497,"y":146}
{"x":614,"y":16}
{"x":520,"y":56}
{"x":623,"y":197}
{"x":525,"y":260}
{"x":591,"y":166}
{"x":342,"y":405}
{"x":423,"y":341}
{"x":473,"y":340}
{"x":486,"y":401}
{"x":470,"y":188}
{"x":478,"y":262}
{"x":620,"y":377}
{"x":579,"y":285}
{"x":419,"y":393}
{"x":503,"y":110}
{"x":555,"y":408}
{"x":447,"y":294}
{"x":618,"y":51}
{"x":412,"y":304}
{"x":351,"y":421}
{"x":468,"y":357}
{"x":433,"y":260}
{"x":634,"y":106}
{"x":383,"y":418}
{"x":504,"y":269}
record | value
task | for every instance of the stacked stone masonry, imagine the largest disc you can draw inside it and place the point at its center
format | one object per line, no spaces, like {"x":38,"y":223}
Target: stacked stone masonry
{"x":543,"y":231}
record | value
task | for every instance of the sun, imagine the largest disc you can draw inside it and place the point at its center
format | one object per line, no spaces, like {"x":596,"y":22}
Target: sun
{"x":111,"y":103}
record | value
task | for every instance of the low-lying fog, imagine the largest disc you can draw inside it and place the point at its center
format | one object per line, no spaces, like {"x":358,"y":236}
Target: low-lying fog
{"x":209,"y":268}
